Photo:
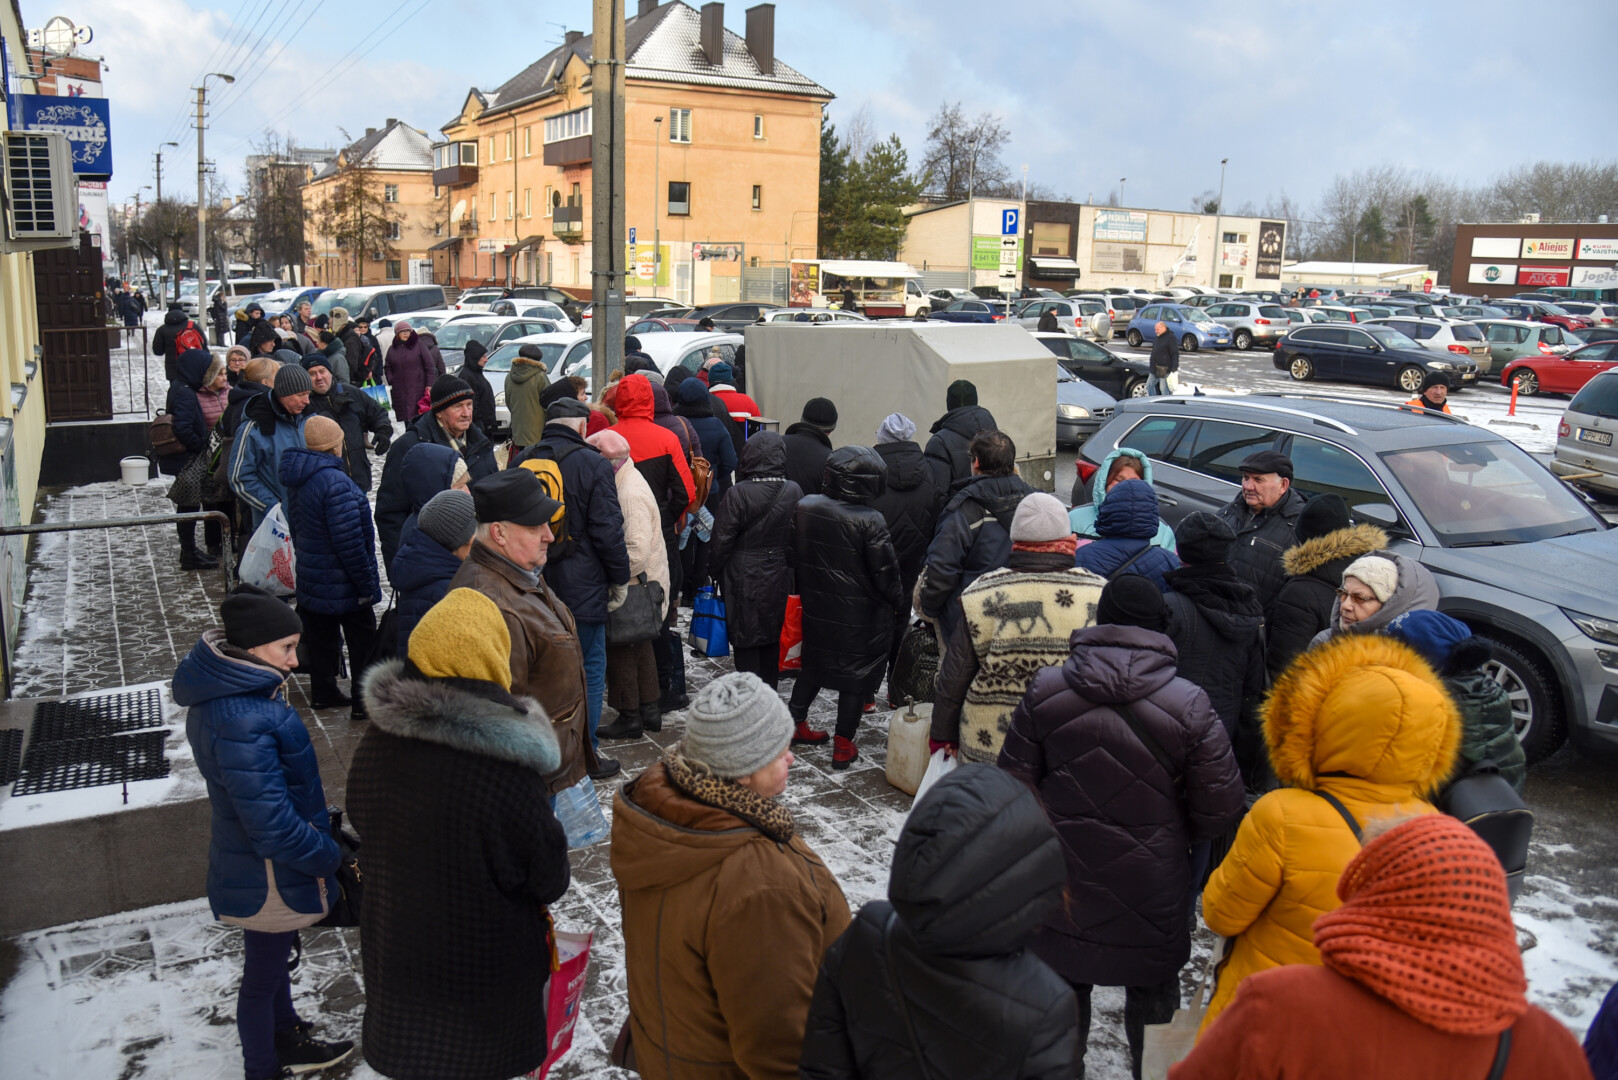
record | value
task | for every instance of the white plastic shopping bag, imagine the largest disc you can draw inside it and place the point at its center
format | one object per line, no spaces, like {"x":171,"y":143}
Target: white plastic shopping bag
{"x":268,"y":561}
{"x":1169,"y":1044}
{"x":939,"y":766}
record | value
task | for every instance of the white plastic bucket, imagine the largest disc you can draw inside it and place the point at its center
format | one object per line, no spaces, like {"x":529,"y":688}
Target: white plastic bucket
{"x":137,"y":470}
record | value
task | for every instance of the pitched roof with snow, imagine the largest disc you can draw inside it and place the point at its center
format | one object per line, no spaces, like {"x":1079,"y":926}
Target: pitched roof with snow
{"x":664,"y":45}
{"x":397,"y":147}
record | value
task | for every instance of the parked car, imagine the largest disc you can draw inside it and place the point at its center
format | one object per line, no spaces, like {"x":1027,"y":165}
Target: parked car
{"x":1120,"y":376}
{"x":1556,"y":315}
{"x":1475,"y":312}
{"x":533,"y":309}
{"x":1191,"y":325}
{"x":480,"y":298}
{"x":378,"y":302}
{"x":659,"y":324}
{"x":1511,"y":339}
{"x":972,"y":311}
{"x":1373,"y":355}
{"x":1517,"y":555}
{"x":1341,"y":313}
{"x":813,"y":315}
{"x":1598,"y":314}
{"x":635,"y":309}
{"x":733,"y":316}
{"x":1584,"y":437}
{"x":1564,"y":374}
{"x":234,"y":289}
{"x":1301,"y":316}
{"x":1120,"y":307}
{"x":274,"y":303}
{"x":1204,"y":300}
{"x":1251,"y":322}
{"x":563,"y":353}
{"x":1267,"y":296}
{"x":1595,"y":333}
{"x":488,"y":330}
{"x":690,"y":351}
{"x":428,"y":321}
{"x":1081,"y":409}
{"x":1082,"y":318}
{"x":942,"y":298}
{"x":1442,"y":335}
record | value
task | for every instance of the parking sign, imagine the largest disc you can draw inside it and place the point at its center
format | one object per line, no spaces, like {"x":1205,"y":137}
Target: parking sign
{"x":632,"y":234}
{"x":1008,"y":222}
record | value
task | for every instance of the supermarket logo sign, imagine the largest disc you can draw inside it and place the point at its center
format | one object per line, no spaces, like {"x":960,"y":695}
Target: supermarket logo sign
{"x":1547,"y":249}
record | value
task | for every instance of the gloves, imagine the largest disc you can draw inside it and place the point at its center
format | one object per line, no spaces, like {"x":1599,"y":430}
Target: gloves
{"x":616,"y":595}
{"x":951,"y":749}
{"x":380,"y":444}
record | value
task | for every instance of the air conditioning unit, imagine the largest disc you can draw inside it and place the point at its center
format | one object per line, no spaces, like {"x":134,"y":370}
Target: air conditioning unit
{"x":41,"y":192}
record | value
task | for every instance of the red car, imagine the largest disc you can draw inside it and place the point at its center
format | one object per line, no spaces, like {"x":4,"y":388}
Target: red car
{"x":1565,"y":374}
{"x":1557,"y":316}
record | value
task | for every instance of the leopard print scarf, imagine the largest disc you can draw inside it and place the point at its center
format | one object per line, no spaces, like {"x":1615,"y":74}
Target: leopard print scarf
{"x":766,"y":815}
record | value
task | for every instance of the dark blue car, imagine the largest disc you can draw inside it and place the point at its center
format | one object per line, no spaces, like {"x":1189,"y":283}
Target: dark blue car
{"x":972,"y":311}
{"x":1377,"y":355}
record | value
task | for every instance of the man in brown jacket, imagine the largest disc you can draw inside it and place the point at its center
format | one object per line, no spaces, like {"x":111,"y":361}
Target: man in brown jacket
{"x":547,"y":663}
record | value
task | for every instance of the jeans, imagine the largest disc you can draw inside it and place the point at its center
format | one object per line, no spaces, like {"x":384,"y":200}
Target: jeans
{"x":1142,"y":1005}
{"x":850,"y":705}
{"x":762,"y":660}
{"x":323,"y":637}
{"x":1156,"y":385}
{"x":593,"y":644}
{"x":264,"y":1000}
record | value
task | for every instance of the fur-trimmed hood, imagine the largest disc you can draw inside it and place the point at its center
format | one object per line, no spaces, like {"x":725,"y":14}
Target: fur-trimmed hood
{"x":1349,"y":543}
{"x":462,"y":714}
{"x":1365,"y":705}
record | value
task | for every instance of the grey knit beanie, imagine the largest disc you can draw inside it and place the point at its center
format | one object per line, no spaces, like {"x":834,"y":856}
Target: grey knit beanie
{"x":450,"y":518}
{"x":1040,"y":517}
{"x":736,"y":726}
{"x":897,"y":427}
{"x":292,"y":379}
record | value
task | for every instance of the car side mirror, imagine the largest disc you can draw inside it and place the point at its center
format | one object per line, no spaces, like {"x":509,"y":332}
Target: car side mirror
{"x":1382,"y":514}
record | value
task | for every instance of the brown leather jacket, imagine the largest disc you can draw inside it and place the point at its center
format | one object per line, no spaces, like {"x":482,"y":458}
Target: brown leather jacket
{"x":546,"y":661}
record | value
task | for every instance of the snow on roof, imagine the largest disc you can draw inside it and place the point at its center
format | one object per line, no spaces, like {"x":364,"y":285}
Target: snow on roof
{"x":1355,"y":268}
{"x":397,"y":147}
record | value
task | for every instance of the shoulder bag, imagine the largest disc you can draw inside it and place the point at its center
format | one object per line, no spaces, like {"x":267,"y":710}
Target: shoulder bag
{"x":1485,"y":802}
{"x":639,"y":618}
{"x":1336,"y":804}
{"x":1176,"y":778}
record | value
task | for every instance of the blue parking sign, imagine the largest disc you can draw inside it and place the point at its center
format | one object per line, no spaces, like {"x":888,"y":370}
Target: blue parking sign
{"x":632,"y":234}
{"x":1008,"y":222}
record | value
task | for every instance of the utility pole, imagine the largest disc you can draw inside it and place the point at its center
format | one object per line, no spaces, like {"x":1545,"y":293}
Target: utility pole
{"x":657,"y":201}
{"x":971,"y":178}
{"x":1121,"y":180}
{"x":607,"y":190}
{"x":1219,"y":237}
{"x":162,"y":286}
{"x":202,"y":200}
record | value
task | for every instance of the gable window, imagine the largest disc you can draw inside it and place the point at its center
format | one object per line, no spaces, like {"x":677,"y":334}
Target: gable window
{"x":570,"y":125}
{"x":758,"y":196}
{"x":758,"y":126}
{"x":390,"y":192}
{"x":680,"y":125}
{"x":679,"y":197}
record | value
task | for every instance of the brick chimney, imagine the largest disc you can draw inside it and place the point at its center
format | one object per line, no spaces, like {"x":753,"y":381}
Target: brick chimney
{"x":713,"y":33}
{"x":761,"y":36}
{"x":647,"y":7}
{"x":572,"y":37}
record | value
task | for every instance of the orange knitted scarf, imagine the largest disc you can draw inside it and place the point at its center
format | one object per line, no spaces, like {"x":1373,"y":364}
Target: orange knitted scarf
{"x":1426,"y":924}
{"x":1068,"y":545}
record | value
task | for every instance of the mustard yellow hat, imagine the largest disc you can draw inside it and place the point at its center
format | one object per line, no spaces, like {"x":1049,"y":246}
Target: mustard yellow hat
{"x":463,"y":636}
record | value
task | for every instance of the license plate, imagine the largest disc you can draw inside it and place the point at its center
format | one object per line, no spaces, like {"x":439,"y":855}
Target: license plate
{"x":1469,"y":376}
{"x":1600,"y":438}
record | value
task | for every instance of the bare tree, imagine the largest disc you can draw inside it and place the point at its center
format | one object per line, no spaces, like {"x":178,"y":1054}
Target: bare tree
{"x":860,"y":134}
{"x":962,"y":153}
{"x":357,"y":216}
{"x":277,"y":235}
{"x":1046,"y":193}
{"x":1207,"y":202}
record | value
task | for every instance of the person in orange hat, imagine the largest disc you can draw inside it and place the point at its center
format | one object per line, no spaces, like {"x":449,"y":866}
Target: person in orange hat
{"x":1422,"y":978}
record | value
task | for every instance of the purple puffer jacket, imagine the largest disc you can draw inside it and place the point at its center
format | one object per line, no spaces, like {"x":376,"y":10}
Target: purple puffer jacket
{"x":411,"y":371}
{"x":1125,"y":833}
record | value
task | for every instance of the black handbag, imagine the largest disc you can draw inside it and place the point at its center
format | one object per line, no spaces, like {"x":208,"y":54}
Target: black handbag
{"x":343,"y":909}
{"x":915,"y":669}
{"x":190,"y":484}
{"x":1485,"y":802}
{"x":639,"y":618}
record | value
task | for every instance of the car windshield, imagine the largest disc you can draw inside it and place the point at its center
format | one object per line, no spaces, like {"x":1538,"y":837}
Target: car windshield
{"x":426,"y":324}
{"x":500,"y":359}
{"x":540,"y":310}
{"x":1195,"y":314}
{"x":1465,"y":332}
{"x":486,"y":296}
{"x":1552,"y":309}
{"x":1389,"y":338}
{"x":455,"y":335}
{"x":352,"y":301}
{"x":1090,"y":307}
{"x":1486,"y":493}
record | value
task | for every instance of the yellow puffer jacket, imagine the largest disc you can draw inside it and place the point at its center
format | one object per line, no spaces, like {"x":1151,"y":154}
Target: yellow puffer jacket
{"x":1365,"y":718}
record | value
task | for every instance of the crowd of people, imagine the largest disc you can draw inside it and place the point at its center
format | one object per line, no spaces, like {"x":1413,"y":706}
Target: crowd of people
{"x":1248,"y":716}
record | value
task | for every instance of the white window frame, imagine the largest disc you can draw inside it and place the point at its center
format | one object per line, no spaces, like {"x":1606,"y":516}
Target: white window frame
{"x":528,"y":141}
{"x":511,"y":205}
{"x":492,"y":158}
{"x":511,"y":145}
{"x":390,"y":193}
{"x":548,"y":200}
{"x":680,"y":126}
{"x":527,"y":202}
{"x":569,"y":125}
{"x":758,"y":125}
{"x":395,"y":231}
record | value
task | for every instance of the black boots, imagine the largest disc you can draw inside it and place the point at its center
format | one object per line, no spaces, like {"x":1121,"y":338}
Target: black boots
{"x":629,"y":725}
{"x":651,"y":716}
{"x":192,"y":559}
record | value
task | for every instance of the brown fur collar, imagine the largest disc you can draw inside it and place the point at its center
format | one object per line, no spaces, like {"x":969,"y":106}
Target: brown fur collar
{"x":1352,"y":542}
{"x":766,"y":815}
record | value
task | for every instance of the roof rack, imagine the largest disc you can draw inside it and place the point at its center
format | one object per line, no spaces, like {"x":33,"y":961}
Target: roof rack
{"x":1247,"y":402}
{"x":1451,"y":417}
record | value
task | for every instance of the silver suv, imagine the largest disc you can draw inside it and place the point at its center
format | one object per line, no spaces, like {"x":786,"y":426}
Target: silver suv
{"x":1585,"y":454}
{"x":1251,"y":322}
{"x":1518,"y":555}
{"x":1442,"y":335}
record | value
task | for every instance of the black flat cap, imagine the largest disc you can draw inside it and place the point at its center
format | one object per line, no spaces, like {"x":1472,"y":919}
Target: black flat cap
{"x":1267,"y":461}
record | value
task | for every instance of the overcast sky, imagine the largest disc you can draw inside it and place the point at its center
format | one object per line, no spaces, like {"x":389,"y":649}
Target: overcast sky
{"x":1153,"y":90}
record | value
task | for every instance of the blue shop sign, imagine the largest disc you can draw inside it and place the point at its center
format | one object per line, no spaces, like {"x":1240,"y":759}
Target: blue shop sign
{"x":86,"y":121}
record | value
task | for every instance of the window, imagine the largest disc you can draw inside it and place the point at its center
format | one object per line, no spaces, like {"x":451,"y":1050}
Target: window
{"x":1322,"y":468}
{"x":494,"y":207}
{"x":390,"y":192}
{"x":491,"y":149}
{"x":469,"y":153}
{"x":393,"y":231}
{"x":527,"y":202}
{"x":568,"y":125}
{"x":511,"y":205}
{"x":758,"y":196}
{"x":438,"y":228}
{"x":1227,"y":281}
{"x":577,"y":197}
{"x":1149,"y":313}
{"x":758,"y":126}
{"x":1230,"y":238}
{"x":1152,"y":436}
{"x":435,"y":191}
{"x":511,"y":144}
{"x":1050,"y":238}
{"x":1218,"y":447}
{"x":550,"y":200}
{"x":527,"y":142}
{"x":393,"y":269}
{"x":679,"y":127}
{"x":1598,"y":398}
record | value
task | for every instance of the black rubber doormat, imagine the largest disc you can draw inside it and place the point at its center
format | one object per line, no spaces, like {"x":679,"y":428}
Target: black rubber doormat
{"x":103,"y":714}
{"x":10,"y":754}
{"x":66,"y":764}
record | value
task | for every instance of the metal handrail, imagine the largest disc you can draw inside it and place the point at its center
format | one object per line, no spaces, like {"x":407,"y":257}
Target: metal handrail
{"x":226,"y":553}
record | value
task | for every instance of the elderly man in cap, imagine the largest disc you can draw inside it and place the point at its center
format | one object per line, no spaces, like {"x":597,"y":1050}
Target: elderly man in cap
{"x":589,"y":568}
{"x":505,"y":564}
{"x":447,"y":423}
{"x":354,"y":412}
{"x":1164,"y":361}
{"x":1263,"y":517}
{"x":271,"y":425}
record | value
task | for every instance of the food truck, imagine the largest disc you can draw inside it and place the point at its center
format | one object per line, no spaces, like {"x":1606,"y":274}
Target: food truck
{"x":881,"y":289}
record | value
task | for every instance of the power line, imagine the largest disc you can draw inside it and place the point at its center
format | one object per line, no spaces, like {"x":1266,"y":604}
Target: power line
{"x":238,"y":91}
{"x":181,"y":121}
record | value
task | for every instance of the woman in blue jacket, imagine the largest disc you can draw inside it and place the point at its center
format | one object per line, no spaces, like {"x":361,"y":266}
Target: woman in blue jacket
{"x":1127,"y":524}
{"x":431,"y":551}
{"x":272,"y":856}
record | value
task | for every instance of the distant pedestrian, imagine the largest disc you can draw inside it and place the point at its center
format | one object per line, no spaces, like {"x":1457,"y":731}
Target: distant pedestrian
{"x":177,"y":334}
{"x":808,"y":444}
{"x":949,"y":450}
{"x":850,"y":301}
{"x":1433,"y":394}
{"x":1047,"y":321}
{"x":525,"y":382}
{"x":430,"y":552}
{"x":748,"y":554}
{"x":220,"y":317}
{"x":191,"y":428}
{"x":1164,"y":361}
{"x":410,"y":371}
{"x":1327,"y":541}
{"x":693,"y":405}
{"x":1264,"y":517}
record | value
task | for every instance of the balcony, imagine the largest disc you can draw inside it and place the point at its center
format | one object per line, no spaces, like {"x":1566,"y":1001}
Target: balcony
{"x":455,"y":163}
{"x":575,"y":151}
{"x":467,"y":227}
{"x":455,"y":176}
{"x":567,"y":222}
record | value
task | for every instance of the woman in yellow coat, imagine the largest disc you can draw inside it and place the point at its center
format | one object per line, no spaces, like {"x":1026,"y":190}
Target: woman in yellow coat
{"x":1364,"y":719}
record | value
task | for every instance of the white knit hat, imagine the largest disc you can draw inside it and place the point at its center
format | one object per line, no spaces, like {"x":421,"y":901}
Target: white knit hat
{"x":736,"y":726}
{"x":1040,"y":517}
{"x":1380,"y":574}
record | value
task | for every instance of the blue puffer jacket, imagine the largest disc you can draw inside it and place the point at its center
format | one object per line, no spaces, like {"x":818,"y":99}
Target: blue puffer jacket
{"x":1083,"y":518}
{"x":1127,"y":523}
{"x":332,"y":534}
{"x":712,"y":433}
{"x":189,"y":425}
{"x":422,"y":568}
{"x":424,"y":470}
{"x":267,"y":432}
{"x":263,"y":782}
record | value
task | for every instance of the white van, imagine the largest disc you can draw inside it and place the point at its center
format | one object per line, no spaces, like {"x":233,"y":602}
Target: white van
{"x":378,"y":302}
{"x":234,"y":289}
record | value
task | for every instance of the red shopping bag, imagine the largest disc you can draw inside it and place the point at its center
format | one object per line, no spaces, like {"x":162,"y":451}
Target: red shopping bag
{"x":792,"y":636}
{"x":562,"y":996}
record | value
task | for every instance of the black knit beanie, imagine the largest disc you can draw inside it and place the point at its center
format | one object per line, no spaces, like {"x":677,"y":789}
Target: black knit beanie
{"x":1132,"y":600}
{"x":253,"y":617}
{"x":1321,"y":515}
{"x":960,"y":393}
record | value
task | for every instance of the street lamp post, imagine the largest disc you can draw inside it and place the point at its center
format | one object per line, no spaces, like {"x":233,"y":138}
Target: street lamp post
{"x":1219,"y":239}
{"x":657,"y":201}
{"x":1121,"y":180}
{"x":202,"y":197}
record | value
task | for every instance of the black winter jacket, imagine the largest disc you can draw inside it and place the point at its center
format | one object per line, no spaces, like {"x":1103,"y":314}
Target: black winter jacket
{"x":847,"y":575}
{"x":595,"y":525}
{"x":1218,"y":629}
{"x":483,"y":414}
{"x":973,"y":537}
{"x":1125,"y":831}
{"x":807,"y":448}
{"x":751,"y":536}
{"x":163,"y":343}
{"x":947,"y":453}
{"x":1304,"y":605}
{"x":1165,"y":358}
{"x":356,"y":414}
{"x":236,"y":405}
{"x":715,"y":445}
{"x":1261,"y":539}
{"x":957,"y":929}
{"x":910,"y":506}
{"x":392,"y":500}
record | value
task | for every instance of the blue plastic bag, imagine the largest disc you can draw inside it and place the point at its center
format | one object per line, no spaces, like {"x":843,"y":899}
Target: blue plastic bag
{"x":579,"y":811}
{"x":708,"y":635}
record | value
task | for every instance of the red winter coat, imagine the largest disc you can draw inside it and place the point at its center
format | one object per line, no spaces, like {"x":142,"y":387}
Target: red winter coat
{"x":654,"y":449}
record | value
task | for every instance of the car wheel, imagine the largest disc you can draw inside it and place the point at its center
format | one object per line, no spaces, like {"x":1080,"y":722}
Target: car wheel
{"x":1135,"y":388}
{"x":1243,"y":340}
{"x":1188,"y":343}
{"x":1410,"y":379}
{"x":1526,"y":382}
{"x":1301,"y":368}
{"x":924,"y":312}
{"x":1134,"y":339}
{"x":1540,"y":726}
